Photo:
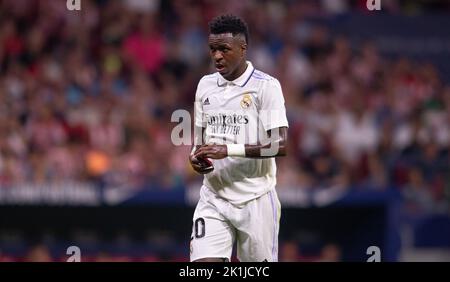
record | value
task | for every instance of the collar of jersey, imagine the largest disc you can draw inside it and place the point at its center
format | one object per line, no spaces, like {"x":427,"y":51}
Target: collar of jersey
{"x":240,"y":81}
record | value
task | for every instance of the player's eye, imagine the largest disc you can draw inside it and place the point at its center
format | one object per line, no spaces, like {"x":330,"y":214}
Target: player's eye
{"x":220,"y":48}
{"x":224,"y":49}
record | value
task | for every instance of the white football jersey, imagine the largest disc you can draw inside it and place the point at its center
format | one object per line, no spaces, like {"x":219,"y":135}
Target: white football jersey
{"x":240,"y":111}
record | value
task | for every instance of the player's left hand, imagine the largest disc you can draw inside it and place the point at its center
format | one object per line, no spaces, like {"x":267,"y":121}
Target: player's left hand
{"x":212,"y":151}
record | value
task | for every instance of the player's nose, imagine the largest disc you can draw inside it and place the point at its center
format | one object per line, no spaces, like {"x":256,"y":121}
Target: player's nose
{"x":217,"y":56}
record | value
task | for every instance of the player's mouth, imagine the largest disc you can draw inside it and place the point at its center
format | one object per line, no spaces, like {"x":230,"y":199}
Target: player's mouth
{"x":220,"y":68}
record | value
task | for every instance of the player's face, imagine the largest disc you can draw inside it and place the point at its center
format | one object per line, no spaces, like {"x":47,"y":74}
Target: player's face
{"x":227,"y":53}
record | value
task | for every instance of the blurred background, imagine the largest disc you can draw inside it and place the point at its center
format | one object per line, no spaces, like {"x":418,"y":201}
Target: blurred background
{"x":86,"y":99}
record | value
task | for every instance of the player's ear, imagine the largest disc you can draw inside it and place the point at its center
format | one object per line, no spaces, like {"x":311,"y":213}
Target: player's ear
{"x":244,"y":49}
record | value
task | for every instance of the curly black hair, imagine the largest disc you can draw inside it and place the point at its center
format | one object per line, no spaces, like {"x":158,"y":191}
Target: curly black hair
{"x":229,"y":23}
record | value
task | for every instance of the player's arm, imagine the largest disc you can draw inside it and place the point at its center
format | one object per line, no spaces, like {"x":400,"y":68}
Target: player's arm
{"x":198,"y":141}
{"x":276,"y":147}
{"x":198,"y":164}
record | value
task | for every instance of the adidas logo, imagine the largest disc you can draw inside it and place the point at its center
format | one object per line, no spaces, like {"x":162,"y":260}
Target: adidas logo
{"x":206,"y":102}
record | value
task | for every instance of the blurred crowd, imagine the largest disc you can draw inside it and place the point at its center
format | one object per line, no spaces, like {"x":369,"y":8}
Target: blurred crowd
{"x":88,"y":96}
{"x":145,"y":252}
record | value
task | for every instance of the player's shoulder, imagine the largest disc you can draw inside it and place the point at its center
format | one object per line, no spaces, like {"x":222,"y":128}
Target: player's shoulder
{"x":206,"y":83}
{"x":265,"y":80}
{"x":262,"y":76}
{"x":208,"y":79}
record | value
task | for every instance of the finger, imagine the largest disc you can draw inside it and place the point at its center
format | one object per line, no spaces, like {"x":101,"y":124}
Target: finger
{"x":208,"y":154}
{"x":196,"y":166}
{"x":200,"y":153}
{"x":195,"y":161}
{"x":212,"y":156}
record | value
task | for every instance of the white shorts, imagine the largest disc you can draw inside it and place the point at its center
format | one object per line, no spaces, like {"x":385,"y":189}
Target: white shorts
{"x":217,"y":224}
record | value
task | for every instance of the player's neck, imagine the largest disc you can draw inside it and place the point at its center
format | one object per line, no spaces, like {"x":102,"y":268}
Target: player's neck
{"x":239,"y":71}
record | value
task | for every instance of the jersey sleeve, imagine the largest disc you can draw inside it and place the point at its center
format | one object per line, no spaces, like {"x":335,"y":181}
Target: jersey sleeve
{"x":198,"y":108}
{"x":272,"y":110}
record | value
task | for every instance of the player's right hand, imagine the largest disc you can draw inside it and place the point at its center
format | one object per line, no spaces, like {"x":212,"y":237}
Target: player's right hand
{"x":200,"y":166}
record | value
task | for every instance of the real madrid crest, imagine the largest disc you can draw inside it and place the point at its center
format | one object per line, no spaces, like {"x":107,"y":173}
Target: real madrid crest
{"x":246,"y":101}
